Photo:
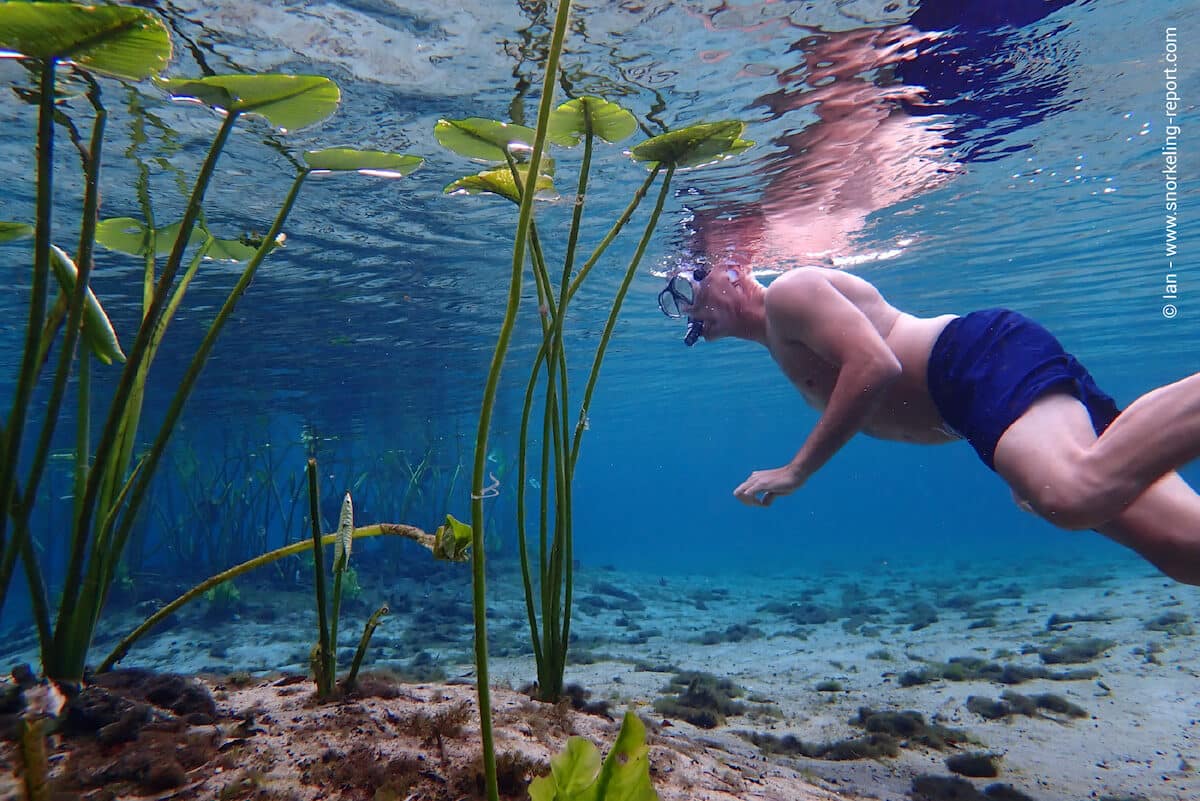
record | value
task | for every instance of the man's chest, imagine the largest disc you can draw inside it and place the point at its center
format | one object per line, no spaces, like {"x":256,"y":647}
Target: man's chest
{"x":812,"y":376}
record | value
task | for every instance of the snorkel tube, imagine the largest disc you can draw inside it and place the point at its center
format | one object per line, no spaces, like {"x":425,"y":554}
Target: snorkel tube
{"x":694,"y":330}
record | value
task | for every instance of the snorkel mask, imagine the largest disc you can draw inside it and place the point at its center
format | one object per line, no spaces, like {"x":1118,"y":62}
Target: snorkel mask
{"x":680,"y":294}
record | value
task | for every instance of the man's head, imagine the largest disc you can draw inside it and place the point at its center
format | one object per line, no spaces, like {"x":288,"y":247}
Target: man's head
{"x":724,"y":302}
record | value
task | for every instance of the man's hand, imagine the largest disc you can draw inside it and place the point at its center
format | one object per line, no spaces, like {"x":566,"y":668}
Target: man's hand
{"x":764,"y":486}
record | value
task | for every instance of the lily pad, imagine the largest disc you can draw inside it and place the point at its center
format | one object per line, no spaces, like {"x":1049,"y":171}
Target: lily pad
{"x":233,"y":249}
{"x":98,"y":330}
{"x":287,"y":102}
{"x":605,"y":119}
{"x":128,"y":235}
{"x":478,"y":138}
{"x":695,"y":145}
{"x":121,"y":41}
{"x":367,"y":162}
{"x":14,"y":230}
{"x":500,"y":182}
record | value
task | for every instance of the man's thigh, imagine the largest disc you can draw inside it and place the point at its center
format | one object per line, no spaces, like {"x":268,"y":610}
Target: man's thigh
{"x":1043,"y":448}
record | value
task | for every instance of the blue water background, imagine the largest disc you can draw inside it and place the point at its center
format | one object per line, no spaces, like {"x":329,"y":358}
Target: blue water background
{"x":373,"y":328}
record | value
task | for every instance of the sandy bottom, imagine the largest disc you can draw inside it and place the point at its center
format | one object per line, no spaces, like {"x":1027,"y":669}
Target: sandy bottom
{"x":806,"y":653}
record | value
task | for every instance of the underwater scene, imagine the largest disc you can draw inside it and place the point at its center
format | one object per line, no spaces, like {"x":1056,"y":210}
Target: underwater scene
{"x":821,"y":425}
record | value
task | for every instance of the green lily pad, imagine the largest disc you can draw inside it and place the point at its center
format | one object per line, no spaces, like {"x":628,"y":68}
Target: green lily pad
{"x":605,"y":119}
{"x":242,"y":249}
{"x":122,"y":41}
{"x":477,"y":138}
{"x":128,"y":235}
{"x":500,"y":182}
{"x":695,"y":145}
{"x":367,"y":162}
{"x":14,"y":230}
{"x":287,"y":102}
{"x":98,"y":330}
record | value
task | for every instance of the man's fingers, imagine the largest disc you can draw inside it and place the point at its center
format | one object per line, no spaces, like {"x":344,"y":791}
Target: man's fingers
{"x":747,"y":494}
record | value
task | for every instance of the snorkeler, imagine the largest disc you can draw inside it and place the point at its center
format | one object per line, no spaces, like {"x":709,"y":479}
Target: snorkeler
{"x":995,"y":378}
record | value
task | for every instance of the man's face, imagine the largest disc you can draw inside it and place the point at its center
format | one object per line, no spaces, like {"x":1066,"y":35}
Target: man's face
{"x":717,"y":301}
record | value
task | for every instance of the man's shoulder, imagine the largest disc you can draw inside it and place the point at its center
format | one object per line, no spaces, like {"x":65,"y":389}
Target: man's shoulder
{"x":795,"y":280}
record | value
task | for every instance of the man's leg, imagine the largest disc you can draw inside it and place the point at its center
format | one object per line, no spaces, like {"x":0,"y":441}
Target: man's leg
{"x":1158,"y":433}
{"x":1163,"y":525}
{"x":1046,"y":458}
{"x":1095,"y":479}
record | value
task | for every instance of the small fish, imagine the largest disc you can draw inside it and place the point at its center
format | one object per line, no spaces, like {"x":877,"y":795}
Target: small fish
{"x":533,"y":482}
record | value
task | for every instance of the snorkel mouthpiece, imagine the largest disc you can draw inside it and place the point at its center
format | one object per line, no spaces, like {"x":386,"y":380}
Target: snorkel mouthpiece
{"x":694,"y":329}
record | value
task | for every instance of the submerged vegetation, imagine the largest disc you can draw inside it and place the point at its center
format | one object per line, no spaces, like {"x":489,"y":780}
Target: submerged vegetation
{"x":71,"y":53}
{"x":130,"y":45}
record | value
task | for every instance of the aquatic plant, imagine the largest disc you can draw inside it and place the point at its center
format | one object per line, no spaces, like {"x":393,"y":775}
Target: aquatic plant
{"x":130,"y":45}
{"x":223,"y":599}
{"x":324,"y":653}
{"x":449,"y":542}
{"x":520,"y":151}
{"x":517,"y":174}
{"x":577,"y":773}
{"x":212,"y":510}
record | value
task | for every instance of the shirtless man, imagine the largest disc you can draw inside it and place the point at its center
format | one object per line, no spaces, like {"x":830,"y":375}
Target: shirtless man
{"x":994,"y":378}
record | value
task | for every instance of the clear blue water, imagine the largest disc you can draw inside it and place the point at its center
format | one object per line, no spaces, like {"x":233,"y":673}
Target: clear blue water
{"x":957,"y":159}
{"x":959,"y":155}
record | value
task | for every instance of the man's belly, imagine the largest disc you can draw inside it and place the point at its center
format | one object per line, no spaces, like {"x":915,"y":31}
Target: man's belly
{"x":906,"y":412}
{"x":908,"y":422}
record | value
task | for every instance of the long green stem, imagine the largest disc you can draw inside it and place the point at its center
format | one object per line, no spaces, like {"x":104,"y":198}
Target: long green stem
{"x":117,"y":411}
{"x":361,"y":651}
{"x":83,"y":433}
{"x":374,"y":530}
{"x":616,"y":228}
{"x":616,"y":310}
{"x":339,"y":571}
{"x":199,"y":359}
{"x":66,"y":356}
{"x":324,"y":677}
{"x":38,"y":599}
{"x":522,"y":545}
{"x":14,"y":430}
{"x":110,"y":543}
{"x":556,"y":567}
{"x":545,"y":581}
{"x":478,"y":574}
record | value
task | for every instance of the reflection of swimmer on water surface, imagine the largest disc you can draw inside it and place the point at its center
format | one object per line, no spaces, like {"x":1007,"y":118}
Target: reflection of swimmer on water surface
{"x":895,"y":112}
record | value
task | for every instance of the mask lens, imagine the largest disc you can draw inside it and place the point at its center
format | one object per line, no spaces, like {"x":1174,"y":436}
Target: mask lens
{"x":683,"y":290}
{"x":677,"y":295}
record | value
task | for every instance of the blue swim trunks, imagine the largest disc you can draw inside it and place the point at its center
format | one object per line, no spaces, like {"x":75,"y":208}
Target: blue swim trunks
{"x":988,"y":367}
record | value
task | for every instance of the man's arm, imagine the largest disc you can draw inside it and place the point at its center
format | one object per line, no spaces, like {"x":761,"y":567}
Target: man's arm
{"x":807,"y":308}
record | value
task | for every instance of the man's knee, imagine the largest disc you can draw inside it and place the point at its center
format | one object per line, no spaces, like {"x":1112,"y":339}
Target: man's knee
{"x":1077,"y":500}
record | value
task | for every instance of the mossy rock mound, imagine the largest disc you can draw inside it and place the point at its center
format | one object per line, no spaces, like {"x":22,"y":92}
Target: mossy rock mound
{"x":1074,"y":650}
{"x":701,"y":699}
{"x":909,"y":727}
